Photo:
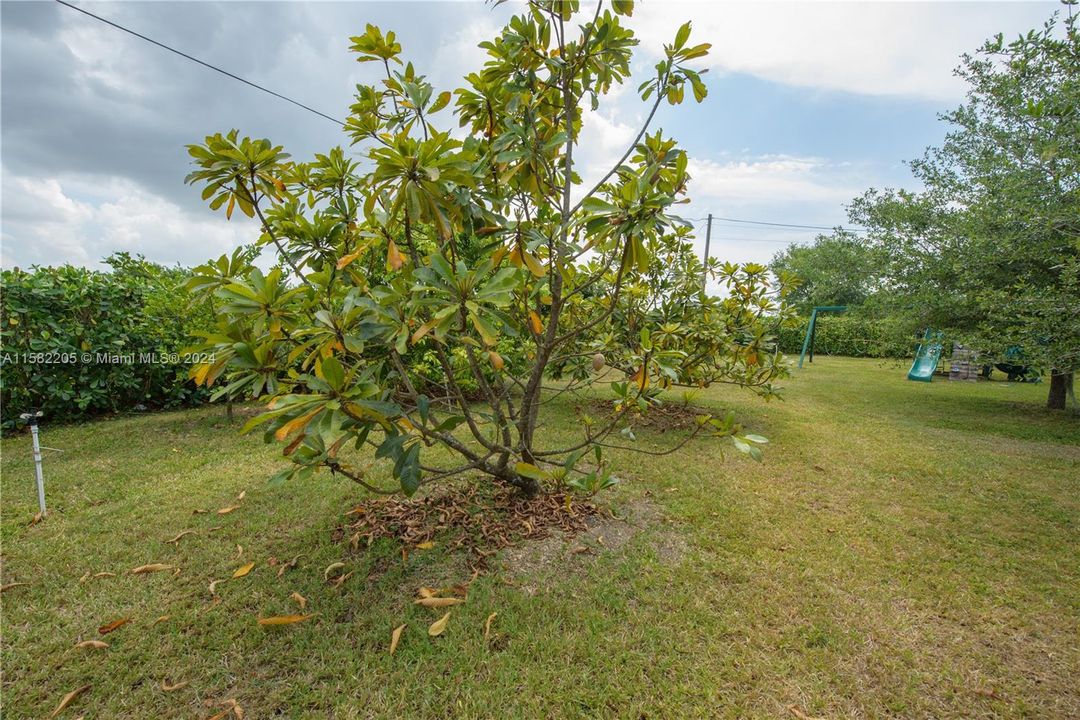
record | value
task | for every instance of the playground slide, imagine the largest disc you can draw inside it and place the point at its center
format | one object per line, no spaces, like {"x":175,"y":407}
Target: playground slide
{"x":926,"y":359}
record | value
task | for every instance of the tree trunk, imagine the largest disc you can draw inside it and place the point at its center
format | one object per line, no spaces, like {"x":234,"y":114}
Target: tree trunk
{"x":1060,"y":386}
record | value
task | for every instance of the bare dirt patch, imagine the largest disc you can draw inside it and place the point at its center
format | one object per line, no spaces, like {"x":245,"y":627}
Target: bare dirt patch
{"x":529,"y":563}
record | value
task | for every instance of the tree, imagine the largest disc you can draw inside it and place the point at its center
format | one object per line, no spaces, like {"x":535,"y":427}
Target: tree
{"x":990,"y":249}
{"x":838,"y":269}
{"x":435,"y":245}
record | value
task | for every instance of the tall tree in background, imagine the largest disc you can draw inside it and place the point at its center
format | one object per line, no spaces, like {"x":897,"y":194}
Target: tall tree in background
{"x":990,"y":249}
{"x":838,"y":269}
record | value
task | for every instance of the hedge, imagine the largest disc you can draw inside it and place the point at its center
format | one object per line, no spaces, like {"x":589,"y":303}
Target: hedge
{"x":76,"y":342}
{"x":853,"y":336}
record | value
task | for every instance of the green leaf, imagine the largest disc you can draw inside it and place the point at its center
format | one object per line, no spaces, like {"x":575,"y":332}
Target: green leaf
{"x":531,"y":471}
{"x":333,"y":372}
{"x":682,"y":36}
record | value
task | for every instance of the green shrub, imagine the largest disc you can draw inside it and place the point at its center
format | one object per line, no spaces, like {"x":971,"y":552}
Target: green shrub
{"x":852,"y":336}
{"x":78,"y":342}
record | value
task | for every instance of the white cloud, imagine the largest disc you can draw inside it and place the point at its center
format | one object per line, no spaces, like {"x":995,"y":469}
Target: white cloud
{"x":81,"y":220}
{"x":771,"y":179}
{"x":905,"y":49}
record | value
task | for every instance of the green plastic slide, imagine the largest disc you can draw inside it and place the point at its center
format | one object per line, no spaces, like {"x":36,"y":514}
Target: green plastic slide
{"x":926,"y":357}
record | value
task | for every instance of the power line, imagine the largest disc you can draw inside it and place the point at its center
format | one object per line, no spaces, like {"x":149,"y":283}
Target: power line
{"x":200,"y":62}
{"x":797,"y":226}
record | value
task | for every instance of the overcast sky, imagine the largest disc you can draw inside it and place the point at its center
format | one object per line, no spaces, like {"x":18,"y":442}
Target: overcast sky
{"x":809,"y":104}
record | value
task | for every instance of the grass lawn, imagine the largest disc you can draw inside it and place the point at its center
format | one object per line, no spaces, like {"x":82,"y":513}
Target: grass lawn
{"x":905,"y":550}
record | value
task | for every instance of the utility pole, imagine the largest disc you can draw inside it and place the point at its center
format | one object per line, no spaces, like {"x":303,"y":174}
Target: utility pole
{"x":708,"y":237}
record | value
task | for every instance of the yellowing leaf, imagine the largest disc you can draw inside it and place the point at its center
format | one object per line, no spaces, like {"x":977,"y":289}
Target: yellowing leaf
{"x":438,"y":602}
{"x":439,"y":625}
{"x":299,"y":599}
{"x":283,"y":619}
{"x":68,"y":699}
{"x":295,"y":424}
{"x":534,"y":265}
{"x":227,"y":510}
{"x":395,"y":638}
{"x":109,"y":627}
{"x":487,"y":625}
{"x":95,"y":644}
{"x":170,"y":688}
{"x":535,"y":323}
{"x":152,"y":567}
{"x":344,"y":260}
{"x":394,"y":259}
{"x":244,"y":570}
{"x":425,"y":545}
{"x":496,"y":359}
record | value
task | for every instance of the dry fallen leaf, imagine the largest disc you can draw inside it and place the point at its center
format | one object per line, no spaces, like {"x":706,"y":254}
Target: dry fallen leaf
{"x":242,"y":571}
{"x":340,"y":580}
{"x":161,"y":619}
{"x":239,"y":549}
{"x":438,"y":602}
{"x":9,"y":586}
{"x":176,"y":539}
{"x":487,"y":625}
{"x":104,"y":574}
{"x":85,"y":577}
{"x":799,"y":713}
{"x":425,"y":545}
{"x":299,"y":599}
{"x":213,"y":587}
{"x":109,"y":627}
{"x":170,"y":688}
{"x":395,"y":638}
{"x":331,"y":568}
{"x":283,"y":619}
{"x":94,"y":644}
{"x":227,"y":510}
{"x":68,"y":699}
{"x":36,"y":519}
{"x":439,"y":625}
{"x":199,"y":512}
{"x":241,"y":496}
{"x":290,"y":564}
{"x":426,"y":592}
{"x":152,"y":567}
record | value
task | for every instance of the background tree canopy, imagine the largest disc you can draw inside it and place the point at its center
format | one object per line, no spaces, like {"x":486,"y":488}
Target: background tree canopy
{"x":989,"y":249}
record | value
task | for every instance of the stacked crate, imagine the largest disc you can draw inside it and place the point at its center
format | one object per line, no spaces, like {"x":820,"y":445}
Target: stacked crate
{"x":964,"y":363}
